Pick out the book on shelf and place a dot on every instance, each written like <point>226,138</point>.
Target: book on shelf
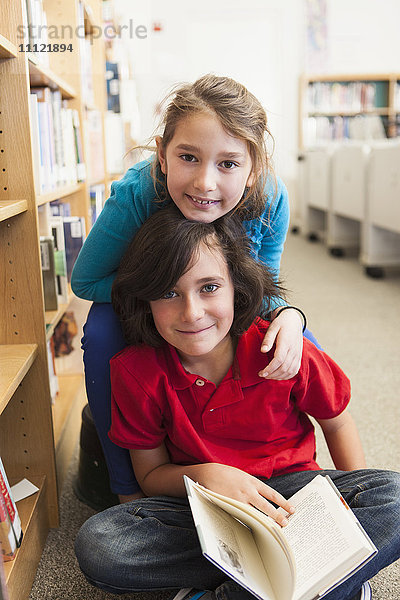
<point>97,199</point>
<point>8,545</point>
<point>46,175</point>
<point>3,588</point>
<point>35,143</point>
<point>80,164</point>
<point>48,273</point>
<point>397,97</point>
<point>113,87</point>
<point>59,208</point>
<point>353,96</point>
<point>320,130</point>
<point>53,378</point>
<point>85,53</point>
<point>322,545</point>
<point>115,142</point>
<point>56,141</point>
<point>94,146</point>
<point>11,509</point>
<point>37,29</point>
<point>56,224</point>
<point>74,236</point>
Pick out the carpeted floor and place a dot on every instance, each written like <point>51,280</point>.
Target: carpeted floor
<point>357,321</point>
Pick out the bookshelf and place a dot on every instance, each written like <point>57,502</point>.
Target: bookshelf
<point>337,107</point>
<point>37,438</point>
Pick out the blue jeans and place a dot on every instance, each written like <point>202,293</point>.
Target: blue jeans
<point>151,543</point>
<point>102,338</point>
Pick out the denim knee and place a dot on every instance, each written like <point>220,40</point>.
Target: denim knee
<point>95,550</point>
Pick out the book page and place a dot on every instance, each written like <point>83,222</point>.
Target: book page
<point>323,536</point>
<point>276,554</point>
<point>229,544</point>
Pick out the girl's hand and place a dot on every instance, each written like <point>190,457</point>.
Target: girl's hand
<point>237,484</point>
<point>287,331</point>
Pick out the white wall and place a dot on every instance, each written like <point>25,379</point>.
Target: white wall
<point>262,43</point>
<point>363,36</point>
<point>258,42</point>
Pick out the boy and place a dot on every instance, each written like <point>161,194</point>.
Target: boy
<point>187,399</point>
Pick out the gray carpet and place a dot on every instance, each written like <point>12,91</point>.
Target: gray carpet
<point>357,320</point>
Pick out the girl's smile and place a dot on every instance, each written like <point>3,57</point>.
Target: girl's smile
<point>206,168</point>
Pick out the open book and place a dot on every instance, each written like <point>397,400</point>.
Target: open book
<point>321,547</point>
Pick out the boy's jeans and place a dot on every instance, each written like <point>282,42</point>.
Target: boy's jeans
<point>151,543</point>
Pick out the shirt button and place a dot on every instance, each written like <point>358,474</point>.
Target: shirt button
<point>199,382</point>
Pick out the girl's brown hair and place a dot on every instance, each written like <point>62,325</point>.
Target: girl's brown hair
<point>164,248</point>
<point>241,115</point>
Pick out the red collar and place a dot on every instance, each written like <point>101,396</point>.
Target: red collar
<point>248,361</point>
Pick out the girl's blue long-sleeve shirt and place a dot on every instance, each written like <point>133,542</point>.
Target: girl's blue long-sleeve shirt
<point>131,203</point>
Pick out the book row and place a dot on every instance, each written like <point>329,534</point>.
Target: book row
<point>319,130</point>
<point>59,248</point>
<point>346,97</point>
<point>10,523</point>
<point>56,141</point>
<point>397,97</point>
<point>36,33</point>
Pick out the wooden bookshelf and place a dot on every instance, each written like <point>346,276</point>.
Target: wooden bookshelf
<point>66,419</point>
<point>15,361</point>
<point>11,208</point>
<point>41,76</point>
<point>59,193</point>
<point>381,104</point>
<point>7,48</point>
<point>53,317</point>
<point>37,437</point>
<point>34,525</point>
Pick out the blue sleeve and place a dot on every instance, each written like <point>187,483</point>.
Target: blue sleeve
<point>131,202</point>
<point>267,234</point>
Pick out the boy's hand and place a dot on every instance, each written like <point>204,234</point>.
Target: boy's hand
<point>286,331</point>
<point>237,484</point>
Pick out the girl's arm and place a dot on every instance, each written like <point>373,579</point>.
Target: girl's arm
<point>268,238</point>
<point>286,331</point>
<point>343,442</point>
<point>158,477</point>
<point>129,205</point>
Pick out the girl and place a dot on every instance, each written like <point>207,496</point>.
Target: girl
<point>187,399</point>
<point>210,160</point>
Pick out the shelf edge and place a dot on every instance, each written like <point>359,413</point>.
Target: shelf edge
<point>56,194</point>
<point>11,208</point>
<point>24,363</point>
<point>42,75</point>
<point>7,48</point>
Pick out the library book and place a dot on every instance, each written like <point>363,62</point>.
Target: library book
<point>322,545</point>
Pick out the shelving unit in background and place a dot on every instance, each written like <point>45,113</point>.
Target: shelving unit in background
<point>348,152</point>
<point>37,438</point>
<point>330,105</point>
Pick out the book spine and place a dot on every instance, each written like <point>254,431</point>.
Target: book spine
<point>8,545</point>
<point>3,588</point>
<point>10,505</point>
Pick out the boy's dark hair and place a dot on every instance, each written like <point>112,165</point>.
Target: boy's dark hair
<point>163,250</point>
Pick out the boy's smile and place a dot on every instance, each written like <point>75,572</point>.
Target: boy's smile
<point>197,314</point>
<point>206,168</point>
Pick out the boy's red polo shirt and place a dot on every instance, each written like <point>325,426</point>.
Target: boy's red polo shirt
<point>256,425</point>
